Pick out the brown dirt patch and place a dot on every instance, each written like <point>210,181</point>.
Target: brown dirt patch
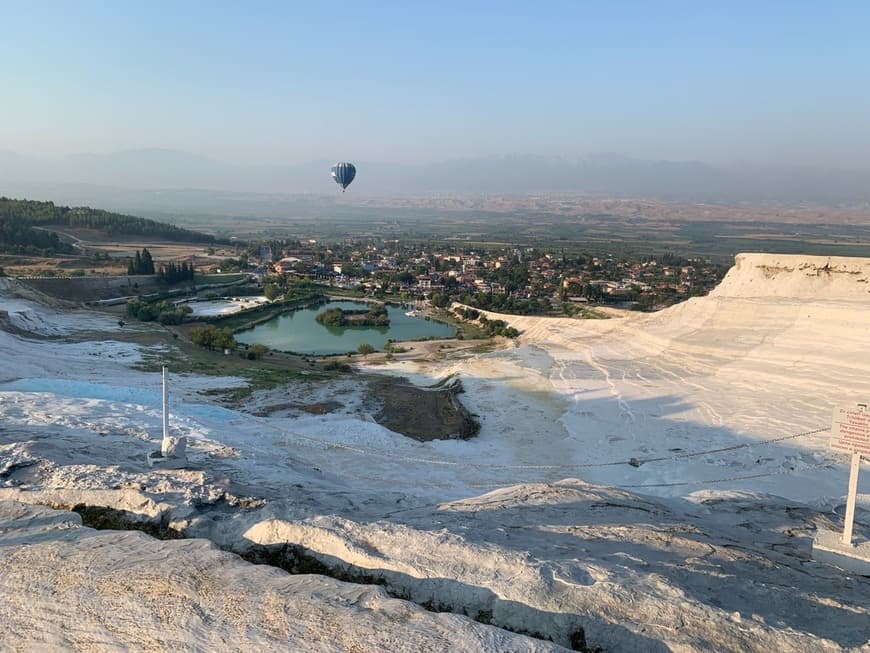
<point>422,413</point>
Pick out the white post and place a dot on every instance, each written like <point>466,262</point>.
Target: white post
<point>850,499</point>
<point>165,410</point>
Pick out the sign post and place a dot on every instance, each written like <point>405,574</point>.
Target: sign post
<point>850,499</point>
<point>165,410</point>
<point>850,432</point>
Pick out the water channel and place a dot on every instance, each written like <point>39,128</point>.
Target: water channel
<point>299,332</point>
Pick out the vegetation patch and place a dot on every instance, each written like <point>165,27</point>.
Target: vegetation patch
<point>18,237</point>
<point>29,213</point>
<point>163,311</point>
<point>207,279</point>
<point>375,315</point>
<point>488,328</point>
<point>316,408</point>
<point>212,337</point>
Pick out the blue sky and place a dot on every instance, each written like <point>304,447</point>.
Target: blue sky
<point>269,82</point>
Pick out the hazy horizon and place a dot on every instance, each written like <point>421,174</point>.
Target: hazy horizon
<point>399,83</point>
<point>597,175</point>
<point>577,157</point>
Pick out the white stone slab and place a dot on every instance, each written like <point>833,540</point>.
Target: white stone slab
<point>828,547</point>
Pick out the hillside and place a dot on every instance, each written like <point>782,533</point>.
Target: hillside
<point>24,215</point>
<point>646,483</point>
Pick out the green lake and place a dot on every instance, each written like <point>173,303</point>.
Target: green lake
<point>299,332</point>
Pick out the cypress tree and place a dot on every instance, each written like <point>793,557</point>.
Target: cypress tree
<point>147,262</point>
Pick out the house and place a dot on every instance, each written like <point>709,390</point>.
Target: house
<point>286,265</point>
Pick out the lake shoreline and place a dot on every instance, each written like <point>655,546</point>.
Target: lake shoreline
<point>297,331</point>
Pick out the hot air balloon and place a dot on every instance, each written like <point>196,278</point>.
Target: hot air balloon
<point>343,173</point>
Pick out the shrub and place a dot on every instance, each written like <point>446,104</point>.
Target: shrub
<point>258,350</point>
<point>213,337</point>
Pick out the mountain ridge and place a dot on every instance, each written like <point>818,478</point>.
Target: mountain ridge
<point>594,175</point>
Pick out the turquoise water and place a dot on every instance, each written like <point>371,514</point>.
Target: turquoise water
<point>300,332</point>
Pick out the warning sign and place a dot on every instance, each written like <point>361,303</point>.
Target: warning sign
<point>851,430</point>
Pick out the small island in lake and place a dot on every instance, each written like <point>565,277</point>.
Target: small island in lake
<point>375,315</point>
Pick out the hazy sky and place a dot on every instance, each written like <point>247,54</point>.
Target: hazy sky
<point>269,82</point>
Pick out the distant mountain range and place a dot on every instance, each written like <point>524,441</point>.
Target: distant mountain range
<point>605,175</point>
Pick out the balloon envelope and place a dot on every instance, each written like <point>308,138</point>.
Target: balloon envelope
<point>343,173</point>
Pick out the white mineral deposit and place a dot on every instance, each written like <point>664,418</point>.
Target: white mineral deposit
<point>651,482</point>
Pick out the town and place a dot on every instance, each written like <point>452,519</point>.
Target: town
<point>515,280</point>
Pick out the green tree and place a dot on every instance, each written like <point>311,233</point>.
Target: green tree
<point>258,350</point>
<point>147,262</point>
<point>331,317</point>
<point>271,291</point>
<point>212,337</point>
<point>365,349</point>
<point>440,300</point>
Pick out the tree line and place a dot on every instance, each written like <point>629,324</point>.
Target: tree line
<point>143,263</point>
<point>489,327</point>
<point>18,237</point>
<point>175,273</point>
